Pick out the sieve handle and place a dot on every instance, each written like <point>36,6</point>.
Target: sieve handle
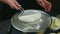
<point>21,9</point>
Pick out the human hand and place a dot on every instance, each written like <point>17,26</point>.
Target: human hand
<point>45,4</point>
<point>12,3</point>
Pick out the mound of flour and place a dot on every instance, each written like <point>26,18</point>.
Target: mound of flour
<point>30,18</point>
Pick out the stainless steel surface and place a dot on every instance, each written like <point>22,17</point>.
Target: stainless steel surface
<point>21,10</point>
<point>20,25</point>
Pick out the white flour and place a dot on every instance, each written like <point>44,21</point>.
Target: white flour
<point>30,18</point>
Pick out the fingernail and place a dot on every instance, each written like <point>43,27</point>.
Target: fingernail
<point>19,5</point>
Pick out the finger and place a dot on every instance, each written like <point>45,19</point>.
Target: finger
<point>48,5</point>
<point>11,4</point>
<point>15,7</point>
<point>17,4</point>
<point>41,3</point>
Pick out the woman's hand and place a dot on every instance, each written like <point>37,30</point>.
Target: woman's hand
<point>12,3</point>
<point>45,4</point>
